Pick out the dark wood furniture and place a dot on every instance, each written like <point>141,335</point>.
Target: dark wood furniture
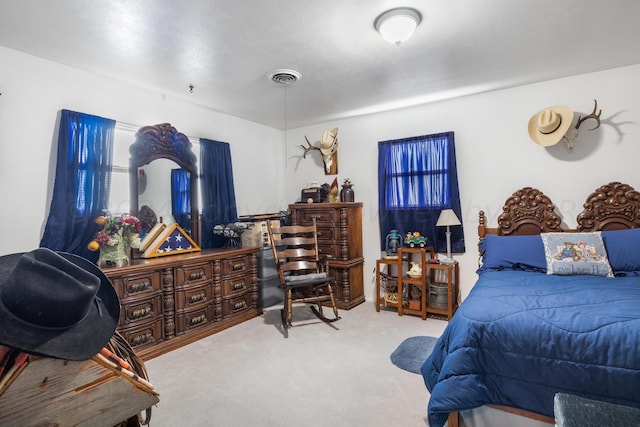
<point>416,285</point>
<point>340,238</point>
<point>422,292</point>
<point>528,211</point>
<point>302,273</point>
<point>163,141</point>
<point>613,206</point>
<point>171,301</point>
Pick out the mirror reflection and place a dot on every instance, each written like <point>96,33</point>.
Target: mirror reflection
<point>156,192</point>
<point>163,177</point>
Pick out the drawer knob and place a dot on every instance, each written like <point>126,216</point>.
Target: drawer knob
<point>198,297</point>
<point>238,266</point>
<point>197,319</point>
<point>196,276</point>
<point>141,339</point>
<point>140,312</point>
<point>238,286</point>
<point>140,286</point>
<point>239,305</point>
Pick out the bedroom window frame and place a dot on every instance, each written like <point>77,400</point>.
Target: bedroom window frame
<point>418,173</point>
<point>417,179</point>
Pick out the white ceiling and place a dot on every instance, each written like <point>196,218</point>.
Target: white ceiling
<point>227,48</point>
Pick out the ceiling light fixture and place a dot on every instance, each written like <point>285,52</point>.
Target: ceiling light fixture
<point>397,25</point>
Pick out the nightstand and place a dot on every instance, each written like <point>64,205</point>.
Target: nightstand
<point>395,288</point>
<point>444,288</point>
<point>416,286</point>
<point>386,283</point>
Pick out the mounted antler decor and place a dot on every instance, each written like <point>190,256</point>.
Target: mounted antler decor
<point>329,150</point>
<point>549,126</point>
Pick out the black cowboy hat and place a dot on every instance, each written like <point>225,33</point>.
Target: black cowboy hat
<point>56,304</point>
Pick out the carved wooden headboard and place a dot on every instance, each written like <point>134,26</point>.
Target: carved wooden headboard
<point>528,211</point>
<point>612,206</point>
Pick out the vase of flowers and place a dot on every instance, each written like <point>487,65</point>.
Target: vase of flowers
<point>118,235</point>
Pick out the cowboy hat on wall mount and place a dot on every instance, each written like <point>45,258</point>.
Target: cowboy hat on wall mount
<point>548,126</point>
<point>56,304</point>
<point>328,148</point>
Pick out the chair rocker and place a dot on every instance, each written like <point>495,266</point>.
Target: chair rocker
<point>303,275</point>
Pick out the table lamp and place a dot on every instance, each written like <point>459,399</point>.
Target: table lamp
<point>448,218</point>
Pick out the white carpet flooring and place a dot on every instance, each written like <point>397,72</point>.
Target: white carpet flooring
<point>321,375</point>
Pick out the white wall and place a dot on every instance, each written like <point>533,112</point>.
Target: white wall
<point>35,90</point>
<point>494,153</point>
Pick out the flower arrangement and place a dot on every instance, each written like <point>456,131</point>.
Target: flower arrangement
<point>116,229</point>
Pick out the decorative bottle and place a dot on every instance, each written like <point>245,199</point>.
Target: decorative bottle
<point>346,194</point>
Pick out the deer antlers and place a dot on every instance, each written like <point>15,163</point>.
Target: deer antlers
<point>309,148</point>
<point>572,133</point>
<point>593,115</point>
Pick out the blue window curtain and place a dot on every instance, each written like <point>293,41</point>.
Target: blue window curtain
<point>218,194</point>
<point>82,182</point>
<point>417,179</point>
<point>181,198</point>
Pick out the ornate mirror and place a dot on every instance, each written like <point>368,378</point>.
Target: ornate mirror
<point>163,141</point>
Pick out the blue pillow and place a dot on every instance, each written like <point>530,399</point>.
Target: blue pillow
<point>623,249</point>
<point>524,253</point>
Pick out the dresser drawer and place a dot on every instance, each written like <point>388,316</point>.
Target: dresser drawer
<point>194,296</point>
<point>330,235</point>
<point>236,265</point>
<point>137,285</point>
<point>144,335</point>
<point>235,305</point>
<point>236,286</point>
<point>323,216</point>
<point>193,319</point>
<point>193,274</point>
<point>332,251</point>
<point>141,310</point>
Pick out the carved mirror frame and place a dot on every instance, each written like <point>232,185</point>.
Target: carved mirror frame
<point>163,141</point>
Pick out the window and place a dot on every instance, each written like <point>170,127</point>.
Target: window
<point>82,182</point>
<point>417,173</point>
<point>417,179</point>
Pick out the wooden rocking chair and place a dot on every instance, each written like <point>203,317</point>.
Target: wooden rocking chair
<point>303,275</point>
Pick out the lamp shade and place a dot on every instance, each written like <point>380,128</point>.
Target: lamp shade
<point>397,25</point>
<point>447,217</point>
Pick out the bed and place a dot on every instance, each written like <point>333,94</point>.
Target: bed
<point>553,310</point>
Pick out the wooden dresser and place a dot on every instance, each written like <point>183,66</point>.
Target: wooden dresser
<point>340,237</point>
<point>171,301</point>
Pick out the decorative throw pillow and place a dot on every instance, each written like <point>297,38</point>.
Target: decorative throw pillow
<point>524,253</point>
<point>576,253</point>
<point>623,249</point>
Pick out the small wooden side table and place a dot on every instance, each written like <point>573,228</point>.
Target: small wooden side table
<point>451,281</point>
<point>406,256</point>
<point>385,280</point>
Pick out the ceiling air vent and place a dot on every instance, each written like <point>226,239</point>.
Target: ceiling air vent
<point>284,76</point>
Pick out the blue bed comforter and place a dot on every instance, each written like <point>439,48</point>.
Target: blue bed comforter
<point>520,337</point>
